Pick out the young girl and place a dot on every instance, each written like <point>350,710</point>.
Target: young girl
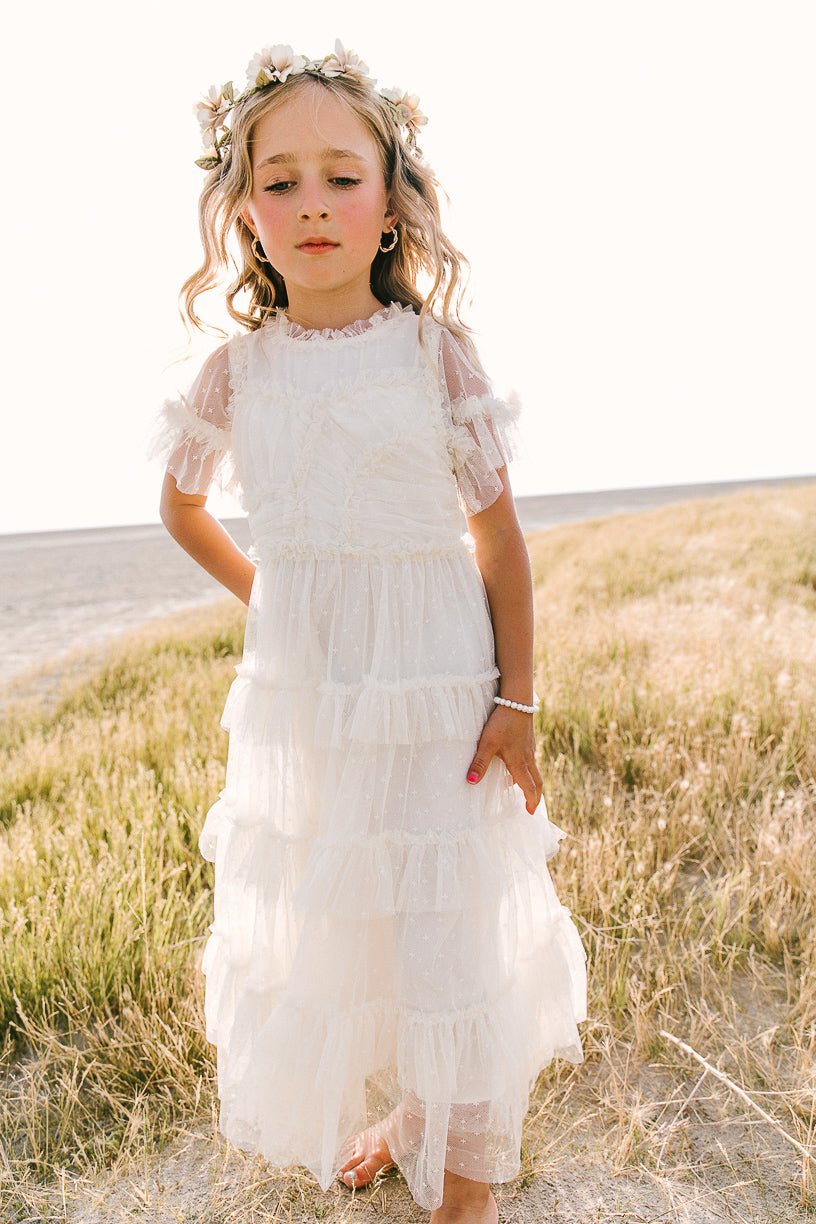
<point>389,967</point>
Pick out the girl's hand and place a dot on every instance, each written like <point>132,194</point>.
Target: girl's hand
<point>509,734</point>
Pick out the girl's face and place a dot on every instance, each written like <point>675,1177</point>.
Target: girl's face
<point>318,177</point>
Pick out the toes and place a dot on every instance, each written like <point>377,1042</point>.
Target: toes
<point>355,1179</point>
<point>362,1173</point>
<point>352,1165</point>
<point>359,1170</point>
<point>352,1174</point>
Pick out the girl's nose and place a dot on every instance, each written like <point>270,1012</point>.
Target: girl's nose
<point>313,203</point>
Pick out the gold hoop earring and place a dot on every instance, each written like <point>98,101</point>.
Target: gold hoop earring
<point>394,243</point>
<point>260,258</point>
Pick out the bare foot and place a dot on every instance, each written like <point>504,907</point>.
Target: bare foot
<point>480,1211</point>
<point>371,1154</point>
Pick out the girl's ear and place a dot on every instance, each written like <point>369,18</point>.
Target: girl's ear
<point>247,220</point>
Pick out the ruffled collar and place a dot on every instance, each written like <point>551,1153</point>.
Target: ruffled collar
<point>282,326</point>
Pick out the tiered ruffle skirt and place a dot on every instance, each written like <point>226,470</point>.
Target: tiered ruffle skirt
<point>387,943</point>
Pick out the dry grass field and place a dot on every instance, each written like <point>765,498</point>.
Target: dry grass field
<point>676,659</point>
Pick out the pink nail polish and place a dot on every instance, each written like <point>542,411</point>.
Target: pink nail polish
<point>473,776</point>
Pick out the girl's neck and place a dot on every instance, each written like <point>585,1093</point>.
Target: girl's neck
<point>315,313</point>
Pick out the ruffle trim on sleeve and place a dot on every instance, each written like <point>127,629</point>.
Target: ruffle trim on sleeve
<point>196,452</point>
<point>481,428</point>
<point>192,431</point>
<point>483,437</point>
<point>183,420</point>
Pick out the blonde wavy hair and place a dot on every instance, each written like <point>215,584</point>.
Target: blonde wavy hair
<point>410,184</point>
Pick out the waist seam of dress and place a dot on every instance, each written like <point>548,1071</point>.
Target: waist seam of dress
<point>312,549</point>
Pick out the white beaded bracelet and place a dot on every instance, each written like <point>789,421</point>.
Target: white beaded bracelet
<point>517,705</point>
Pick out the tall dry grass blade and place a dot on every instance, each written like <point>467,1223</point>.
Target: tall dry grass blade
<point>740,1093</point>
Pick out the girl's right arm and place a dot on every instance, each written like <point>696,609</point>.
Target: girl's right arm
<point>202,536</point>
<point>194,438</point>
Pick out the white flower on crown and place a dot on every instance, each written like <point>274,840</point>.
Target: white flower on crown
<point>274,64</point>
<point>211,109</point>
<point>407,107</point>
<point>345,63</point>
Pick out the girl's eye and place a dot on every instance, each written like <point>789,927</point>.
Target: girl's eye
<point>285,183</point>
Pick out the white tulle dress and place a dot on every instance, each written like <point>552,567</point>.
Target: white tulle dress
<point>387,945</point>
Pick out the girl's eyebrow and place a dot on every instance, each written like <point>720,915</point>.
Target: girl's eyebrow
<point>328,154</point>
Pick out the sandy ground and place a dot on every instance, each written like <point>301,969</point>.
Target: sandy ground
<point>201,1178</point>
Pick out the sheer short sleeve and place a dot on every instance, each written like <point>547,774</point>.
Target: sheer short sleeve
<point>482,429</point>
<point>193,432</point>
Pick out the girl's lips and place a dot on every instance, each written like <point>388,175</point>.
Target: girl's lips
<point>315,248</point>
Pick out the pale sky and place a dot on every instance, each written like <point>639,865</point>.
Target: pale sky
<point>633,182</point>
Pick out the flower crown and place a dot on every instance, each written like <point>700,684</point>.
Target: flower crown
<point>273,66</point>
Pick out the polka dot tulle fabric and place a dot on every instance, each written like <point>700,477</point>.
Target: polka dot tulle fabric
<point>387,947</point>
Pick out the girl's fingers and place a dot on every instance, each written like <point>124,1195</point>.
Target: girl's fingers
<point>524,774</point>
<point>480,762</point>
<point>488,746</point>
<point>495,741</point>
<point>526,779</point>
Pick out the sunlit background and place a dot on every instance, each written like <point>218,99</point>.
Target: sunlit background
<point>633,183</point>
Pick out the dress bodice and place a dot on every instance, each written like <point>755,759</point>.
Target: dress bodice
<point>359,439</point>
<point>340,439</point>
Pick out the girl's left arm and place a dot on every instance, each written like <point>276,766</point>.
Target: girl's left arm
<point>502,558</point>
